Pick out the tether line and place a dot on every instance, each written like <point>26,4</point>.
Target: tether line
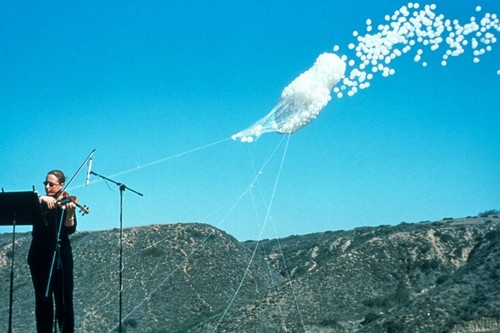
<point>260,236</point>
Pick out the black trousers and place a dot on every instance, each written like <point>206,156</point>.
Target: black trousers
<point>60,292</point>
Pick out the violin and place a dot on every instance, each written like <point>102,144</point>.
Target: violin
<point>65,198</point>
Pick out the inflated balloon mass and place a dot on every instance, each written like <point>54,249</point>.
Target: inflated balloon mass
<point>301,101</point>
<point>407,28</point>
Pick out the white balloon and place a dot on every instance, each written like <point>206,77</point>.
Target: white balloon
<point>301,101</point>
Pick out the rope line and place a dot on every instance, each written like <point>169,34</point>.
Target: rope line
<point>233,204</point>
<point>161,160</point>
<point>260,235</point>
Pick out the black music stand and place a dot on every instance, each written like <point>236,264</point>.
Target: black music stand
<point>18,208</point>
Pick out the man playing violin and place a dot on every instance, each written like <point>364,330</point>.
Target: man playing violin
<point>50,258</point>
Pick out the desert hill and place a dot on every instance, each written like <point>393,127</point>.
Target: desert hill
<point>414,277</point>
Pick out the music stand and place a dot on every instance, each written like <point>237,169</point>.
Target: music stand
<point>18,208</point>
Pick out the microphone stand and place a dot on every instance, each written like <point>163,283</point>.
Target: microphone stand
<point>57,253</point>
<point>57,250</point>
<point>122,188</point>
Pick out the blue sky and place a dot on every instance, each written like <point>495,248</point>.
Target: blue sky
<point>158,88</point>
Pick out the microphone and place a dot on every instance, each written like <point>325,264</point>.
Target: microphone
<point>89,171</point>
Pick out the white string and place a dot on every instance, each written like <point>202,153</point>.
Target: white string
<point>271,275</point>
<point>287,275</point>
<point>234,202</point>
<point>139,167</point>
<point>161,160</point>
<point>259,239</point>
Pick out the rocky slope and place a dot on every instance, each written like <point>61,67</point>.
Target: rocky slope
<point>423,277</point>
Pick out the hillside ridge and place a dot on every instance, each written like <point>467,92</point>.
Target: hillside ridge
<point>191,277</point>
